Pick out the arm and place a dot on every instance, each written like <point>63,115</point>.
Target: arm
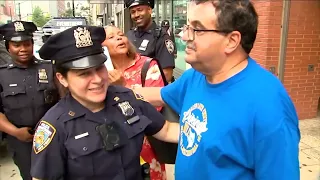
<point>160,128</point>
<point>165,55</point>
<point>151,94</point>
<point>48,153</point>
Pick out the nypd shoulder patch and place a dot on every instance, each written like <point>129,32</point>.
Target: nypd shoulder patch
<point>169,45</point>
<point>43,136</point>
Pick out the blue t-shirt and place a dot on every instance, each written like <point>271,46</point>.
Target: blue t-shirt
<point>243,128</point>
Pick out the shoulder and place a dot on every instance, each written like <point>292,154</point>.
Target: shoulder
<point>118,89</point>
<point>53,115</point>
<point>124,91</point>
<point>3,66</point>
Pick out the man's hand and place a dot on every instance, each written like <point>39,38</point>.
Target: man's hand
<point>23,134</point>
<point>116,78</point>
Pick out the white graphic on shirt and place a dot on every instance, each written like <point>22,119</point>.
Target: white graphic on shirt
<point>194,123</point>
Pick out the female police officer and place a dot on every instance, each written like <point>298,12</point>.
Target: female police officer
<point>96,131</point>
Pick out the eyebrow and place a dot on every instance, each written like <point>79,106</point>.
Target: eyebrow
<point>197,23</point>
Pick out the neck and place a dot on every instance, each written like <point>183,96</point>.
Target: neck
<point>230,68</point>
<point>23,64</point>
<point>93,107</point>
<point>121,62</point>
<point>147,26</point>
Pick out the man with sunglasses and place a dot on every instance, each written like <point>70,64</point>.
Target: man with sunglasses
<point>236,119</point>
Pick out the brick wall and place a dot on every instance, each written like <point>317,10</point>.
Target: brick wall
<point>303,49</point>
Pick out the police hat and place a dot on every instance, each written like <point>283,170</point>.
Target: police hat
<point>18,31</point>
<point>78,47</point>
<point>131,3</point>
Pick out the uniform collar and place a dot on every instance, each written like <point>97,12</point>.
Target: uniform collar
<point>76,110</point>
<point>150,29</point>
<point>13,64</point>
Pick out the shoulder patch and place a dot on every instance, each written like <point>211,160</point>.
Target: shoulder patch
<point>169,45</point>
<point>43,136</point>
<point>138,96</point>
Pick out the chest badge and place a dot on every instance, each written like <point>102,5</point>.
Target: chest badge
<point>144,45</point>
<point>43,78</point>
<point>126,108</point>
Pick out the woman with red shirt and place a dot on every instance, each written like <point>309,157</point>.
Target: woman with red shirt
<point>127,72</point>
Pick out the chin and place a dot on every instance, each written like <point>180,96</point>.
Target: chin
<point>98,98</point>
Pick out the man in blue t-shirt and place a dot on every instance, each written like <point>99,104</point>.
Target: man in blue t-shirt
<point>237,121</point>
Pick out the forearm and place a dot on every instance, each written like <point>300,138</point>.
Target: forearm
<point>168,74</point>
<point>151,95</point>
<point>169,133</point>
<point>6,126</point>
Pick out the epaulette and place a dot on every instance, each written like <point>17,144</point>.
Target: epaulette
<point>118,89</point>
<point>3,66</point>
<point>43,61</point>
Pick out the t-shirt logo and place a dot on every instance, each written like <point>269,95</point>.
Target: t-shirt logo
<point>194,123</point>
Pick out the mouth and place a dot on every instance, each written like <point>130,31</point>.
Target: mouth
<point>121,45</point>
<point>139,20</point>
<point>24,56</point>
<point>97,89</point>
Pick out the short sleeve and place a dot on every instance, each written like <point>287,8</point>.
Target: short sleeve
<point>276,147</point>
<point>157,119</point>
<point>165,51</point>
<point>173,94</point>
<point>48,153</point>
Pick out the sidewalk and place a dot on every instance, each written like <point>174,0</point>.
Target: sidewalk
<point>309,155</point>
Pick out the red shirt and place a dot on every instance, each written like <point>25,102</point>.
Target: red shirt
<point>132,74</point>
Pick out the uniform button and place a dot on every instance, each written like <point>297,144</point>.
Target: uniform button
<point>30,86</point>
<point>84,148</point>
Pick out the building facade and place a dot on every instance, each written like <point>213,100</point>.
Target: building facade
<point>287,44</point>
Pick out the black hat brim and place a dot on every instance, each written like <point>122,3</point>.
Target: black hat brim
<point>20,38</point>
<point>85,62</point>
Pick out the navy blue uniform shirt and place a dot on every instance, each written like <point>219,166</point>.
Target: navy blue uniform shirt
<point>155,43</point>
<point>67,145</point>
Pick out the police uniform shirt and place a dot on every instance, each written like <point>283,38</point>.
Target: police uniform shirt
<point>148,43</point>
<point>26,93</point>
<point>67,145</point>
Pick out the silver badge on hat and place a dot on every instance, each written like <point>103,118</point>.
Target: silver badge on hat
<point>18,26</point>
<point>126,108</point>
<point>82,37</point>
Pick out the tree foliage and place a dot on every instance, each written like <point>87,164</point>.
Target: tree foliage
<point>38,18</point>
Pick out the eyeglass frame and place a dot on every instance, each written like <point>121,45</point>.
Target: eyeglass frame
<point>187,28</point>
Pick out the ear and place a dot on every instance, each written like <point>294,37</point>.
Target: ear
<point>150,10</point>
<point>234,40</point>
<point>62,80</point>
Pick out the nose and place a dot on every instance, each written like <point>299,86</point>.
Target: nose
<point>119,38</point>
<point>185,36</point>
<point>96,78</point>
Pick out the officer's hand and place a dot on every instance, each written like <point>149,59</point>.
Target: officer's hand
<point>116,78</point>
<point>23,134</point>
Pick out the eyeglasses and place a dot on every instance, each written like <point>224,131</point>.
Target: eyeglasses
<point>191,31</point>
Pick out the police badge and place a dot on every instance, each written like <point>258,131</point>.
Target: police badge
<point>126,108</point>
<point>43,78</point>
<point>18,26</point>
<point>82,37</point>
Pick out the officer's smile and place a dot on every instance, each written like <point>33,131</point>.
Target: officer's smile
<point>97,89</point>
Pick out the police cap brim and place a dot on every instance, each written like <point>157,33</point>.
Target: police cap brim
<point>20,38</point>
<point>85,62</point>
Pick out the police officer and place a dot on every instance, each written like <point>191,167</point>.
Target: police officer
<point>149,38</point>
<point>96,131</point>
<point>27,91</point>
